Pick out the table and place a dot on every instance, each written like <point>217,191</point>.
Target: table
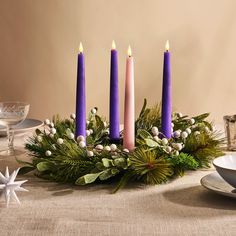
<point>181,207</point>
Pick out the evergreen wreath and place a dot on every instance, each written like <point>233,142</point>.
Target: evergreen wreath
<point>58,156</point>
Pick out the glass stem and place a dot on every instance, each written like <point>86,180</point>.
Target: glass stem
<point>10,137</point>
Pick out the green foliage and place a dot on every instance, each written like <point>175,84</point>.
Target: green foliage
<point>150,167</point>
<point>204,148</point>
<point>183,162</point>
<point>152,162</point>
<point>88,178</point>
<point>148,117</point>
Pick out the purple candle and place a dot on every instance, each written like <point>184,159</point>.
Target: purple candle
<point>114,96</point>
<point>166,95</point>
<point>80,125</point>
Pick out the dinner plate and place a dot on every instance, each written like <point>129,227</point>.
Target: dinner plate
<point>25,126</point>
<point>215,183</point>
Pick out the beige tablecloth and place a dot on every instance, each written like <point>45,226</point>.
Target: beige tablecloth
<point>182,207</point>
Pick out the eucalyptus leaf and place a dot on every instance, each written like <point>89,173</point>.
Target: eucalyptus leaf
<point>99,166</point>
<point>151,143</point>
<point>144,134</point>
<point>105,174</point>
<point>43,166</point>
<point>114,171</point>
<point>202,116</point>
<point>120,162</point>
<point>87,179</point>
<point>108,174</point>
<point>107,162</point>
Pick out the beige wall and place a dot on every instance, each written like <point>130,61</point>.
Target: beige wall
<point>39,41</point>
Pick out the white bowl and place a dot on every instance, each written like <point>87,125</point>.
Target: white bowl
<point>226,167</point>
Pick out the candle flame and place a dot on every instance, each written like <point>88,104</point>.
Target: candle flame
<point>129,51</point>
<point>80,48</point>
<point>167,45</point>
<point>113,46</point>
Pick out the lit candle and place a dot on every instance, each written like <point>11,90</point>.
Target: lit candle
<point>114,96</point>
<point>80,126</point>
<point>129,122</point>
<point>166,95</point>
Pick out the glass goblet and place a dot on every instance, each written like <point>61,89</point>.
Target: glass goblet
<point>12,113</point>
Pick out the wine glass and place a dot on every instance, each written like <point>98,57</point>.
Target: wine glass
<point>12,113</point>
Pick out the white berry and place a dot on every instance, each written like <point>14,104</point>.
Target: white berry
<point>178,146</point>
<point>72,116</point>
<point>94,111</point>
<point>51,135</point>
<point>53,130</point>
<point>90,153</point>
<point>51,124</point>
<point>168,149</point>
<point>91,131</point>
<point>60,141</point>
<point>192,121</point>
<point>156,138</point>
<point>39,138</point>
<point>177,134</point>
<point>47,122</point>
<point>179,114</point>
<point>126,150</point>
<point>196,133</point>
<point>48,153</point>
<point>107,148</point>
<point>82,144</point>
<point>87,132</point>
<point>188,130</point>
<point>113,147</point>
<point>87,122</point>
<point>68,131</point>
<point>80,138</point>
<point>164,141</point>
<point>184,134</point>
<point>99,147</point>
<point>176,153</point>
<point>155,130</point>
<point>71,136</point>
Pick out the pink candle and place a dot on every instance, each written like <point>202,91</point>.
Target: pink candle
<point>129,122</point>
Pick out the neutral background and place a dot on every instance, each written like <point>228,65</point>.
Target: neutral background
<point>39,43</point>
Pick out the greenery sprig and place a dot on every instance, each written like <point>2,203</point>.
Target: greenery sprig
<point>58,156</point>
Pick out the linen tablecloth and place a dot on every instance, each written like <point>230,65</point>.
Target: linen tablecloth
<point>180,207</point>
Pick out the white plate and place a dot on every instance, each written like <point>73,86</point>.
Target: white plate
<point>215,183</point>
<point>25,126</point>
